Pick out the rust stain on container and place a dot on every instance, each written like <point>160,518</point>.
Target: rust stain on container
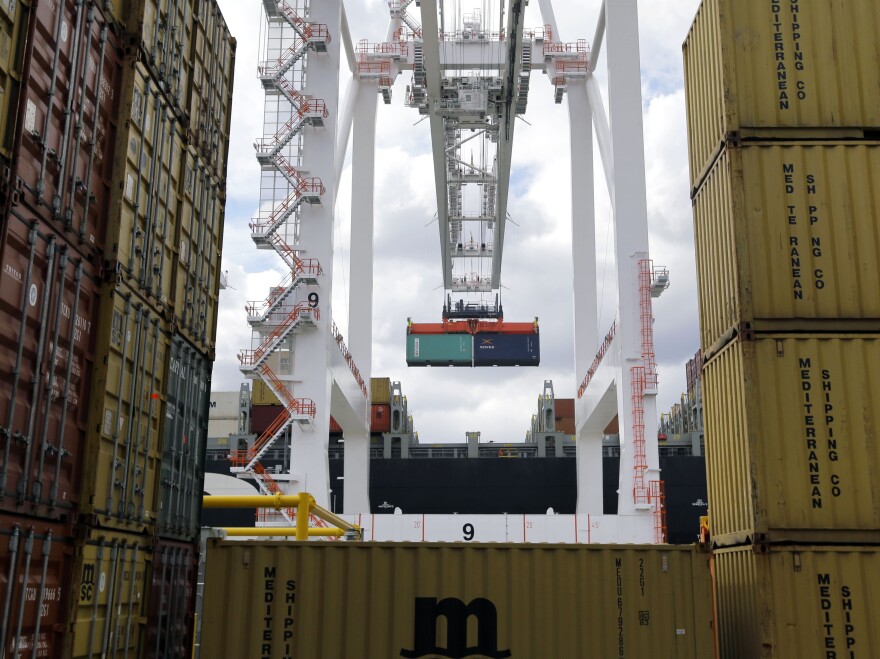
<point>110,584</point>
<point>791,427</point>
<point>185,437</point>
<point>123,452</point>
<point>789,232</point>
<point>35,572</point>
<point>519,601</point>
<point>172,599</point>
<point>69,127</point>
<point>49,306</point>
<point>758,68</point>
<point>797,602</point>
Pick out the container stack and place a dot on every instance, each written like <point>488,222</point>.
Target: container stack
<point>784,121</point>
<point>114,162</point>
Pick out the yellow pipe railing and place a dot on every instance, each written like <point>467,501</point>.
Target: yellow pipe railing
<point>304,503</point>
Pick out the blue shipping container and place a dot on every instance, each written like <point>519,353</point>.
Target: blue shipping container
<point>493,349</point>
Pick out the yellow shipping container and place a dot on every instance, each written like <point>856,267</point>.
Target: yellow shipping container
<point>775,67</point>
<point>123,442</point>
<point>798,602</point>
<point>495,600</point>
<point>789,232</point>
<point>14,16</point>
<point>380,391</point>
<point>144,214</point>
<point>109,593</point>
<point>791,425</point>
<point>262,395</point>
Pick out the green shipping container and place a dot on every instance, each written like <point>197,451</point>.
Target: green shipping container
<point>439,350</point>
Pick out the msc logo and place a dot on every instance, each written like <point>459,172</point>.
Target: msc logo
<point>428,610</point>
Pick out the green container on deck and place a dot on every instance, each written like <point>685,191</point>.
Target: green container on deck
<point>439,350</point>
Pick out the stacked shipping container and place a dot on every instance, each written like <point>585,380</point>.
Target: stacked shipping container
<point>783,114</point>
<point>114,128</point>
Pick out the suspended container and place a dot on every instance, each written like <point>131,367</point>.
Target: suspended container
<point>791,426</point>
<point>14,22</point>
<point>49,305</point>
<point>110,584</point>
<point>209,98</point>
<point>145,213</point>
<point>199,240</point>
<point>496,349</point>
<point>185,438</point>
<point>797,602</point>
<point>63,170</point>
<point>172,598</point>
<point>121,469</point>
<point>439,350</point>
<point>771,70</point>
<point>787,238</point>
<point>498,600</point>
<point>35,572</point>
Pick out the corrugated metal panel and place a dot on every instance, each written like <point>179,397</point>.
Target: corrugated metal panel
<point>752,64</point>
<point>69,127</point>
<point>199,241</point>
<point>14,21</point>
<point>439,349</point>
<point>163,32</point>
<point>789,231</point>
<point>262,395</point>
<point>494,349</point>
<point>121,468</point>
<point>798,602</point>
<point>209,103</point>
<point>172,599</point>
<point>564,408</point>
<point>110,582</point>
<point>49,305</point>
<point>184,441</point>
<point>35,571</point>
<point>527,602</point>
<point>380,418</point>
<point>262,417</point>
<point>791,426</point>
<point>380,391</point>
<point>144,219</point>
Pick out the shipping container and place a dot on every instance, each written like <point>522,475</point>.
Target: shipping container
<point>789,232</point>
<point>185,435</point>
<point>36,565</point>
<point>566,426</point>
<point>64,167</point>
<point>14,23</point>
<point>144,217</point>
<point>774,69</point>
<point>791,427</point>
<point>172,598</point>
<point>262,417</point>
<point>797,602</point>
<point>439,350</point>
<point>199,241</point>
<point>110,586</point>
<point>335,427</point>
<point>380,391</point>
<point>49,310</point>
<point>162,32</point>
<point>262,394</point>
<point>563,408</point>
<point>527,602</point>
<point>495,349</point>
<point>380,418</point>
<point>129,391</point>
<point>209,102</point>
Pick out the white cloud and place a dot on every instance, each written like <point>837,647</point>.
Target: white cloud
<point>537,271</point>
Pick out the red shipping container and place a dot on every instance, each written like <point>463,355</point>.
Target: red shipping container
<point>565,425</point>
<point>36,560</point>
<point>262,417</point>
<point>564,408</point>
<point>334,427</point>
<point>63,167</point>
<point>172,600</point>
<point>49,303</point>
<point>380,418</point>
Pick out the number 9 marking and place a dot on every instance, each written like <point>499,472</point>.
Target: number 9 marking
<point>468,530</point>
<point>313,300</point>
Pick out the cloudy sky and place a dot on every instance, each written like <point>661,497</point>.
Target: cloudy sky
<point>537,280</point>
